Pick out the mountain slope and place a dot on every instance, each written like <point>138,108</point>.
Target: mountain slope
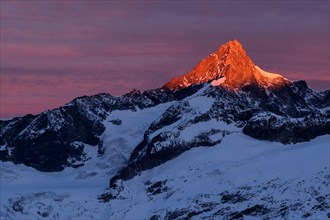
<point>274,116</point>
<point>194,140</point>
<point>47,141</point>
<point>240,177</point>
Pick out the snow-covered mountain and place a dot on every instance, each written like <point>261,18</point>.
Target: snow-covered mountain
<point>226,140</point>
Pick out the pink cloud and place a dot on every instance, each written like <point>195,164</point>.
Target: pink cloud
<point>76,32</point>
<point>37,50</point>
<point>33,94</point>
<point>53,51</point>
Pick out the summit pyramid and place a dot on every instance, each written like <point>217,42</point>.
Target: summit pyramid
<point>229,62</point>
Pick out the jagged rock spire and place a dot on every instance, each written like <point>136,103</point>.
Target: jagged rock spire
<point>230,61</point>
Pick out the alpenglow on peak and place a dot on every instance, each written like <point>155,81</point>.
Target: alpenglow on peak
<point>229,62</point>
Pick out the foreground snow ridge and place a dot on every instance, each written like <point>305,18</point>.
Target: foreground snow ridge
<point>238,178</point>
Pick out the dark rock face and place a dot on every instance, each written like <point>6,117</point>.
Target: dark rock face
<point>157,188</point>
<point>286,131</point>
<point>256,210</point>
<point>293,113</point>
<point>46,142</point>
<point>232,198</point>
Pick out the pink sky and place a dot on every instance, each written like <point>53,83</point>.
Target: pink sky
<point>54,51</point>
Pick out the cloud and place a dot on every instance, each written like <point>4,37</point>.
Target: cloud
<point>11,50</point>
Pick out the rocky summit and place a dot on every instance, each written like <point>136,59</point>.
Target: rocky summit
<point>231,62</point>
<point>226,140</point>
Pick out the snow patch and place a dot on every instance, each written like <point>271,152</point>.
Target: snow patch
<point>218,82</point>
<point>3,147</point>
<point>201,103</point>
<point>192,131</point>
<point>267,74</point>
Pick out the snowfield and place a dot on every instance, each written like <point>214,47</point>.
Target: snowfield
<point>238,174</point>
<point>233,176</point>
<point>72,194</point>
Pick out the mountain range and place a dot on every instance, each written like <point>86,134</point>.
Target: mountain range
<point>226,140</point>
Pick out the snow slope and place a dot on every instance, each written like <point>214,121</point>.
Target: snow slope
<point>239,173</point>
<point>239,177</point>
<point>72,194</point>
<point>268,74</point>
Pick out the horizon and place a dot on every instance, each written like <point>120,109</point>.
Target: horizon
<point>53,52</point>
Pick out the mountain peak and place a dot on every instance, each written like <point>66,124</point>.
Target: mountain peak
<point>133,92</point>
<point>234,44</point>
<point>229,61</point>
